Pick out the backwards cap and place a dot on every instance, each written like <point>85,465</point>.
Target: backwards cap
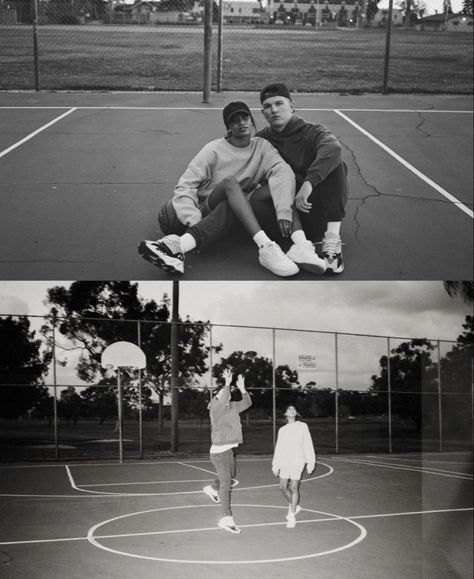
<point>275,89</point>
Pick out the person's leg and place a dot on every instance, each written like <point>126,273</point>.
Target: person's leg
<point>223,463</point>
<point>269,253</point>
<point>284,489</point>
<point>329,199</point>
<point>295,494</point>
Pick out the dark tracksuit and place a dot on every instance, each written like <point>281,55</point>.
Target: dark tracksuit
<point>315,155</point>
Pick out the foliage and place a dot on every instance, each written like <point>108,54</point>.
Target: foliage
<point>467,7</point>
<point>412,372</point>
<point>464,289</point>
<point>22,366</point>
<point>95,314</point>
<point>257,371</point>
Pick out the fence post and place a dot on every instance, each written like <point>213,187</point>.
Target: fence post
<point>174,368</point>
<point>220,46</point>
<point>35,45</point>
<point>120,414</point>
<point>336,397</point>
<point>387,48</point>
<point>55,399</point>
<point>440,406</point>
<point>273,391</point>
<point>140,400</point>
<point>207,70</point>
<point>389,389</point>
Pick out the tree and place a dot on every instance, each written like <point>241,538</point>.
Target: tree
<point>456,383</point>
<point>412,372</point>
<point>465,289</point>
<point>22,367</point>
<point>258,379</point>
<point>467,7</point>
<point>70,405</point>
<point>371,10</point>
<point>96,314</point>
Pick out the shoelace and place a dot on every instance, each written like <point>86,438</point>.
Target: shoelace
<point>173,244</point>
<point>331,246</point>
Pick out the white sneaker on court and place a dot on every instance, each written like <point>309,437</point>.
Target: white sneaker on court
<point>291,523</point>
<point>304,255</point>
<point>298,509</point>
<point>272,257</point>
<point>212,494</point>
<point>228,524</point>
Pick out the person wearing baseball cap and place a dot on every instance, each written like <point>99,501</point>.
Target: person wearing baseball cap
<point>214,191</point>
<point>315,155</point>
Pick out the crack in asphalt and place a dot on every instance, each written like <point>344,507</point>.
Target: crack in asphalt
<point>366,197</point>
<point>419,126</point>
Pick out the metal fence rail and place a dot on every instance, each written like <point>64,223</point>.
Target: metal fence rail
<point>334,392</point>
<point>57,45</point>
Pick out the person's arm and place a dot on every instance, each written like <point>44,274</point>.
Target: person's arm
<point>282,184</point>
<point>185,194</point>
<point>310,455</point>
<point>328,155</point>
<point>246,401</point>
<point>276,456</point>
<point>223,396</point>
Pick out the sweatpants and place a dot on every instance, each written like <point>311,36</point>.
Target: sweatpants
<point>224,463</point>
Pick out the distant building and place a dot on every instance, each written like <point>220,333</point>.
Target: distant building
<point>448,23</point>
<point>238,11</point>
<point>317,12</point>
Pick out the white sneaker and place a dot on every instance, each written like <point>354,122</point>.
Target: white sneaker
<point>298,509</point>
<point>228,524</point>
<point>272,257</point>
<point>291,523</point>
<point>212,493</point>
<point>165,253</point>
<point>306,257</point>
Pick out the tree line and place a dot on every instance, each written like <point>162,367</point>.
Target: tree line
<point>92,315</point>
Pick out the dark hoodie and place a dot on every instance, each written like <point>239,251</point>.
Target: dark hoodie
<point>225,419</point>
<point>311,150</point>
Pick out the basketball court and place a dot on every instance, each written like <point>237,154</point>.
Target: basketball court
<point>84,175</point>
<point>363,516</point>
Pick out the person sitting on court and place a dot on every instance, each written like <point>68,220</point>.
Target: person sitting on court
<point>215,189</point>
<point>226,435</point>
<point>293,450</point>
<point>315,155</point>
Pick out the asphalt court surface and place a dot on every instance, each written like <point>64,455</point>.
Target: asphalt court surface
<point>83,176</point>
<point>363,516</point>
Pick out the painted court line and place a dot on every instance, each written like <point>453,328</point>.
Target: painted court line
<point>204,108</point>
<point>316,520</point>
<point>34,133</point>
<point>408,165</point>
<point>423,470</point>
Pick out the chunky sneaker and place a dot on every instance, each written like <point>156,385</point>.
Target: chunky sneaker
<point>165,253</point>
<point>306,257</point>
<point>212,493</point>
<point>291,522</point>
<point>298,509</point>
<point>272,257</point>
<point>228,524</point>
<point>332,252</point>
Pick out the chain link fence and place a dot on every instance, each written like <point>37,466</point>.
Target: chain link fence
<point>313,46</point>
<point>358,393</point>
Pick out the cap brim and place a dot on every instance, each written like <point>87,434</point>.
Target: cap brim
<point>245,111</point>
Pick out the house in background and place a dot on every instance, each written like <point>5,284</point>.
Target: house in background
<point>448,23</point>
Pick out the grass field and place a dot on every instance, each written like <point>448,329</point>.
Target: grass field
<point>171,58</point>
<point>34,440</point>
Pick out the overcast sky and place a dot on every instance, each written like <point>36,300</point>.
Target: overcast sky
<point>395,309</point>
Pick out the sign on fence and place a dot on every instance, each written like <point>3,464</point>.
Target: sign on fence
<point>306,362</point>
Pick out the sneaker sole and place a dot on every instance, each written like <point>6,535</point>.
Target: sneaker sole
<point>312,267</point>
<point>233,530</point>
<point>159,261</point>
<point>281,273</point>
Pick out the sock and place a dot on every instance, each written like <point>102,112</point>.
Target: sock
<point>188,243</point>
<point>261,238</point>
<point>298,236</point>
<point>334,227</point>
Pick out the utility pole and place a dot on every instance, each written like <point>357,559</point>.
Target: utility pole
<point>174,368</point>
